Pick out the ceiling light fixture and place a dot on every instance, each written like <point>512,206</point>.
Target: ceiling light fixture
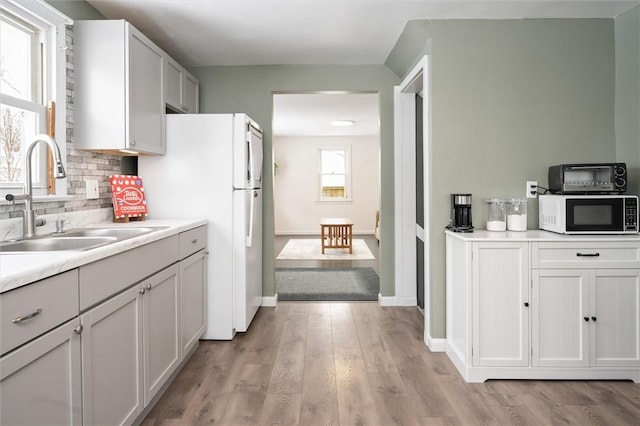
<point>343,123</point>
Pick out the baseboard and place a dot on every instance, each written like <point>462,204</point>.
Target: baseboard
<point>270,301</point>
<point>409,301</point>
<point>387,300</point>
<point>436,344</point>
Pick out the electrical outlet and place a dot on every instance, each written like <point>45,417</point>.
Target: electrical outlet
<point>92,189</point>
<point>532,189</point>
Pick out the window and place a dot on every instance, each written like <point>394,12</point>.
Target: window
<point>334,175</point>
<point>32,73</point>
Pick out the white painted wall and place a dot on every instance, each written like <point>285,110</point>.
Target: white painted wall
<point>296,195</point>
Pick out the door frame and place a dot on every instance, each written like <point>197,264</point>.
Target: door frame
<point>417,81</point>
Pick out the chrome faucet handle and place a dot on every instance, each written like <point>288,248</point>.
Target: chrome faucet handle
<point>60,225</point>
<point>12,198</point>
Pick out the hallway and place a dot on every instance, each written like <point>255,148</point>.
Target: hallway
<point>359,363</point>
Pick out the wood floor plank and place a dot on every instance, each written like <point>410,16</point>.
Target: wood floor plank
<point>280,410</point>
<point>319,402</point>
<point>288,369</point>
<point>356,404</point>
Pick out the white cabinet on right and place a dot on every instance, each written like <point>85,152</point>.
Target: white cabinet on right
<point>585,310</point>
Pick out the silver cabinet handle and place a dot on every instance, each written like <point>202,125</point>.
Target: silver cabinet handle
<point>78,329</point>
<point>148,287</point>
<point>18,320</point>
<point>141,291</point>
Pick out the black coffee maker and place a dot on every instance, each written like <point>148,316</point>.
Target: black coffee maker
<point>460,220</point>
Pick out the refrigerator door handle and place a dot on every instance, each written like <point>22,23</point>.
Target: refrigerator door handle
<point>252,203</point>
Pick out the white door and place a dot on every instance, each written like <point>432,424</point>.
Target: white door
<point>560,318</point>
<point>247,257</point>
<point>500,304</point>
<point>614,316</point>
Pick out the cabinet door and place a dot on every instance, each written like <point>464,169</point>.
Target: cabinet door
<point>161,329</point>
<point>500,292</point>
<point>112,360</point>
<point>193,295</point>
<point>40,382</point>
<point>615,318</point>
<point>190,94</point>
<point>559,305</point>
<point>173,77</point>
<point>145,94</point>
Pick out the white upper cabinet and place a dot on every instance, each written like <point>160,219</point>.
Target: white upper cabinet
<point>119,85</point>
<point>180,87</point>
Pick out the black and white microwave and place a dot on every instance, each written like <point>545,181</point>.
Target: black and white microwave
<point>589,214</point>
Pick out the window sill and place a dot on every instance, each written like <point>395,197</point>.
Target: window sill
<point>40,199</point>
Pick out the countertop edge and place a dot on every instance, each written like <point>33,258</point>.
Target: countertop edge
<point>538,235</point>
<point>17,270</point>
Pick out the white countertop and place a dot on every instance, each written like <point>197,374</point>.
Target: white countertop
<point>536,235</point>
<point>17,270</point>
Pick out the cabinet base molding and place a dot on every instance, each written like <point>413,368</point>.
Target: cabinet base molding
<point>473,374</point>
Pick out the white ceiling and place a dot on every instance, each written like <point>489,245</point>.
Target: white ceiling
<point>311,114</point>
<point>259,32</point>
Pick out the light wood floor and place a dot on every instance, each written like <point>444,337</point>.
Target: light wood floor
<point>361,364</point>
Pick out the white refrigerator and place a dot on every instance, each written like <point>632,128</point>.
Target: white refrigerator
<point>213,169</point>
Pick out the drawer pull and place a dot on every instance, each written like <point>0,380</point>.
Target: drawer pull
<point>78,329</point>
<point>588,254</point>
<point>18,320</point>
<point>194,241</point>
<point>594,319</point>
<point>142,291</point>
<point>526,304</point>
<point>586,319</point>
<point>148,287</point>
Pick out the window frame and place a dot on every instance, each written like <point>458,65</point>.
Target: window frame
<point>52,28</point>
<point>347,174</point>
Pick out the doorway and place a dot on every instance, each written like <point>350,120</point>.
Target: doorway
<point>326,151</point>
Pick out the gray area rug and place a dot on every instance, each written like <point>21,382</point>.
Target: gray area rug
<point>312,284</point>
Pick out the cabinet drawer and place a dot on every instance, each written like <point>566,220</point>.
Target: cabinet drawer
<point>104,278</point>
<point>34,309</point>
<point>622,254</point>
<point>192,240</point>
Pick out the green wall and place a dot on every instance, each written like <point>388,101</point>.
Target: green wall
<point>250,89</point>
<point>627,110</point>
<point>76,9</point>
<point>509,99</point>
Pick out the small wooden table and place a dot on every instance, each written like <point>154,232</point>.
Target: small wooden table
<point>336,232</point>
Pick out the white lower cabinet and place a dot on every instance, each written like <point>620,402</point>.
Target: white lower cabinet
<point>130,347</point>
<point>586,318</point>
<point>500,294</point>
<point>545,308</point>
<point>193,296</point>
<point>40,382</point>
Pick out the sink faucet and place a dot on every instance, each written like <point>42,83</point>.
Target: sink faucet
<point>29,219</point>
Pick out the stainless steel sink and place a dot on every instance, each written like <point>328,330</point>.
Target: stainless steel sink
<point>56,244</point>
<point>120,233</point>
<point>76,239</point>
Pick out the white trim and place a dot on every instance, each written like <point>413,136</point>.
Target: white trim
<point>417,81</point>
<point>436,344</point>
<point>270,301</point>
<point>387,300</point>
<point>55,88</point>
